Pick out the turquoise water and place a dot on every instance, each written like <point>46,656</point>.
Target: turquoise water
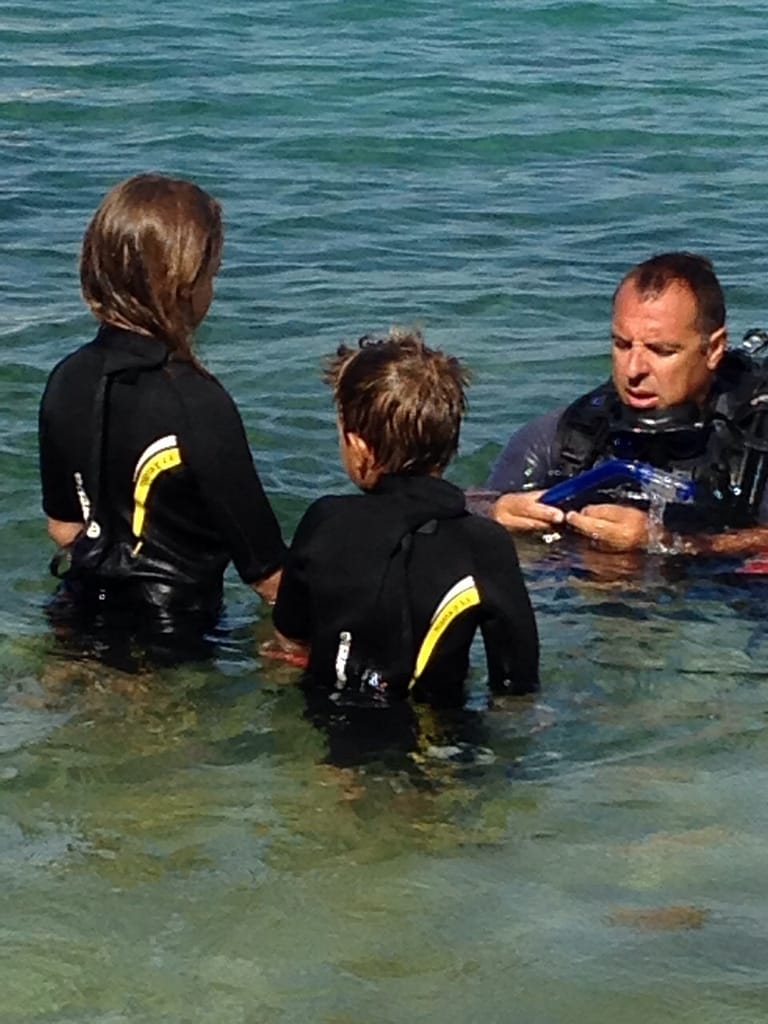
<point>174,846</point>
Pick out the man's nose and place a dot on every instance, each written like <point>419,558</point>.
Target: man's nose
<point>637,362</point>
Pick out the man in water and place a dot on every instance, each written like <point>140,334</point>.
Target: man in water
<point>677,399</point>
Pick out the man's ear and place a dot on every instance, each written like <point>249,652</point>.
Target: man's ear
<point>716,346</point>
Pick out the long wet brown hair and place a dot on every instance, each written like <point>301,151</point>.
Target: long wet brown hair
<point>152,240</point>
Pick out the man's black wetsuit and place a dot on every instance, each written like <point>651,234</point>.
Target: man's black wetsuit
<point>151,454</point>
<point>567,441</point>
<point>389,586</point>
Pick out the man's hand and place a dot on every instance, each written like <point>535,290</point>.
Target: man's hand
<point>752,540</point>
<point>612,526</point>
<point>523,511</point>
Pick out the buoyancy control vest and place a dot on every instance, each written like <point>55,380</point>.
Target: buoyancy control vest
<point>722,447</point>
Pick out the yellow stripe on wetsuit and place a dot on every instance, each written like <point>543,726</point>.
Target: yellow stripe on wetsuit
<point>462,596</point>
<point>158,458</point>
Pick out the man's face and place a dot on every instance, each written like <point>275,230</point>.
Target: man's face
<point>659,355</point>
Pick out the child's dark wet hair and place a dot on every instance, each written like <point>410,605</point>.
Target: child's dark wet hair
<point>405,400</point>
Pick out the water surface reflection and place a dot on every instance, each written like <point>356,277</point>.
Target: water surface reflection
<point>188,845</point>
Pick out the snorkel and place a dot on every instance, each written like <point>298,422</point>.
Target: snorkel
<point>664,485</point>
<point>641,443</point>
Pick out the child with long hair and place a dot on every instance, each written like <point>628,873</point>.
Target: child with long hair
<point>148,482</point>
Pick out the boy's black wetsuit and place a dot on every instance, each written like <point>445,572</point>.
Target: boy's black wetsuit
<point>151,454</point>
<point>389,586</point>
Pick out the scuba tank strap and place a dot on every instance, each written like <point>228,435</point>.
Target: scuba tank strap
<point>90,548</point>
<point>405,548</point>
<point>63,561</point>
<point>582,433</point>
<point>750,472</point>
<point>739,413</point>
<point>392,609</point>
<point>394,594</point>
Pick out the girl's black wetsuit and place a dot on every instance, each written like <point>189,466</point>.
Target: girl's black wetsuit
<point>151,455</point>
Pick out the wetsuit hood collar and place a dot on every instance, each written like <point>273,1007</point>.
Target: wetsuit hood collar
<point>126,350</point>
<point>423,497</point>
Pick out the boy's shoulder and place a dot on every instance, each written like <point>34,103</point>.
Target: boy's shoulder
<point>486,528</point>
<point>488,540</point>
<point>337,508</point>
<point>370,511</point>
<point>365,521</point>
<point>338,526</point>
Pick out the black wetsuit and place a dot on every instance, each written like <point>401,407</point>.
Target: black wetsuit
<point>153,452</point>
<point>371,578</point>
<point>727,463</point>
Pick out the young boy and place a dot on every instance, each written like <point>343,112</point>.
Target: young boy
<point>386,588</point>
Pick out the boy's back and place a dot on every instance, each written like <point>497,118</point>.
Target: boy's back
<point>394,582</point>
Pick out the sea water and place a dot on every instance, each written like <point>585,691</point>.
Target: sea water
<point>180,845</point>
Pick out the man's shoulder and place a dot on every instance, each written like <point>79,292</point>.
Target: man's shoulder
<point>543,426</point>
<point>537,432</point>
<point>739,379</point>
<point>598,400</point>
<point>528,455</point>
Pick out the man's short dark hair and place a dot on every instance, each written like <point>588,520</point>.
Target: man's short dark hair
<point>696,273</point>
<point>405,400</point>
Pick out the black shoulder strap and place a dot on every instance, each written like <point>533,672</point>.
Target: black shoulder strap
<point>738,380</point>
<point>584,427</point>
<point>89,549</point>
<point>391,607</point>
<point>739,413</point>
<point>116,365</point>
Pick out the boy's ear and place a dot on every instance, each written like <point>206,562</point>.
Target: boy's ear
<point>357,446</point>
<point>362,459</point>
